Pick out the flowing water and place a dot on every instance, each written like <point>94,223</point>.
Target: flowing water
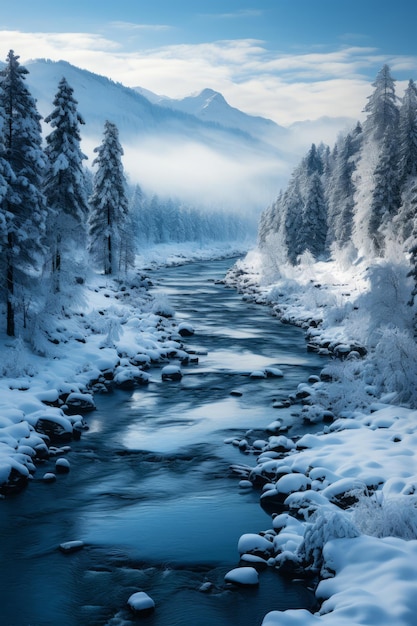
<point>150,491</point>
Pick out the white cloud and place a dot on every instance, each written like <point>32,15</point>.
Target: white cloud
<point>282,87</point>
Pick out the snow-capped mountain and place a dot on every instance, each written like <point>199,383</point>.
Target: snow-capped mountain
<point>211,106</point>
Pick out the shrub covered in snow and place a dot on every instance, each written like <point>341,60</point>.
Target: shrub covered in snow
<point>387,516</point>
<point>324,527</point>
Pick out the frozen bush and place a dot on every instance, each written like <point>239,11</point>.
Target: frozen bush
<point>396,364</point>
<point>393,516</point>
<point>386,299</point>
<point>348,390</point>
<point>161,306</point>
<point>325,526</point>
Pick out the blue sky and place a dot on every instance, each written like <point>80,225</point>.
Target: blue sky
<point>284,59</point>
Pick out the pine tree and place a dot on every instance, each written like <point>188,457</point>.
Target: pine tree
<point>138,212</point>
<point>407,164</point>
<point>6,177</point>
<point>408,133</point>
<point>377,198</point>
<point>385,195</point>
<point>65,187</point>
<point>413,271</point>
<point>24,209</point>
<point>382,106</point>
<point>310,229</point>
<point>292,207</point>
<point>313,233</point>
<point>109,206</point>
<point>341,189</point>
<point>269,221</point>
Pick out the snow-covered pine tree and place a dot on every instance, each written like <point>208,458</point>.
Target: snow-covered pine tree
<point>413,273</point>
<point>407,150</point>
<point>312,231</point>
<point>340,190</point>
<point>381,107</point>
<point>65,191</point>
<point>24,209</point>
<point>314,223</point>
<point>386,193</point>
<point>6,177</point>
<point>407,164</point>
<point>269,220</point>
<point>374,207</point>
<point>110,206</point>
<point>137,210</point>
<point>292,207</point>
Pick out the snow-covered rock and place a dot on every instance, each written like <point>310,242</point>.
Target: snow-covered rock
<point>80,403</point>
<point>251,543</point>
<point>171,372</point>
<point>242,576</point>
<point>141,604</point>
<point>185,329</point>
<point>49,477</point>
<point>62,466</point>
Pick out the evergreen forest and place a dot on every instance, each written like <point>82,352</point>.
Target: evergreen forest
<point>356,201</point>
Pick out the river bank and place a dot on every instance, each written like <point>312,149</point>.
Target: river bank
<point>111,337</point>
<point>345,497</point>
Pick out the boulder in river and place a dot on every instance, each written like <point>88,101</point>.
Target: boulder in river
<point>141,604</point>
<point>55,425</point>
<point>185,329</point>
<point>242,576</point>
<point>62,466</point>
<point>79,403</point>
<point>171,372</point>
<point>49,477</point>
<point>251,543</point>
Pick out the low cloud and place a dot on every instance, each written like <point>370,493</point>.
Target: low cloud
<point>203,176</point>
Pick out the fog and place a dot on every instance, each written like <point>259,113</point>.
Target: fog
<point>200,175</point>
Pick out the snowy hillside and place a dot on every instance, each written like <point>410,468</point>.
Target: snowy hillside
<point>169,151</point>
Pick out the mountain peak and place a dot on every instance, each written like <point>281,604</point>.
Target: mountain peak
<point>203,99</point>
<point>209,94</point>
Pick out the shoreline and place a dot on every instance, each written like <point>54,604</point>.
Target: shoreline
<point>343,498</point>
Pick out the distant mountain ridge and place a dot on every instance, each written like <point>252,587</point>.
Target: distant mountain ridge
<point>210,106</point>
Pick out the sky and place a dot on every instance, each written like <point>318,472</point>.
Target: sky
<point>288,60</point>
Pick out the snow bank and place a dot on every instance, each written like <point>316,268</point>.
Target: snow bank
<point>345,496</point>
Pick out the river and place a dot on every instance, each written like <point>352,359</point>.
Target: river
<point>150,491</point>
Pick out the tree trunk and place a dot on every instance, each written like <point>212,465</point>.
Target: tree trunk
<point>109,268</point>
<point>10,288</point>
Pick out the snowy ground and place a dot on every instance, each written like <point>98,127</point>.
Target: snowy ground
<point>346,497</point>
